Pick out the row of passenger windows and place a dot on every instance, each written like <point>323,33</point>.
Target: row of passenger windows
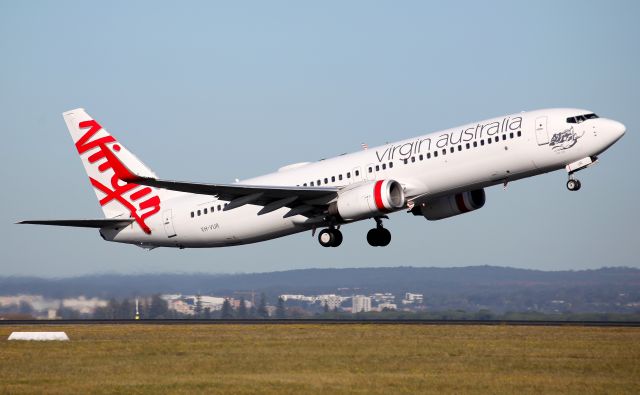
<point>383,166</point>
<point>208,210</point>
<point>581,118</point>
<point>428,155</point>
<point>460,147</point>
<point>327,180</point>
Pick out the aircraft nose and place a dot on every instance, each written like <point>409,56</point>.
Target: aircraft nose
<point>618,129</point>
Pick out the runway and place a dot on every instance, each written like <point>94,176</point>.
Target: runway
<point>308,321</point>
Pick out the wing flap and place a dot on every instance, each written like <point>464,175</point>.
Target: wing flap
<point>81,223</point>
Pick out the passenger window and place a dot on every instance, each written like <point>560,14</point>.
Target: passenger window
<point>390,165</point>
<point>489,140</point>
<point>421,157</point>
<point>192,215</point>
<point>319,182</point>
<point>460,148</point>
<point>199,213</point>
<point>219,207</point>
<point>333,178</point>
<point>497,138</point>
<point>311,183</point>
<point>348,174</point>
<point>340,177</point>
<point>468,145</point>
<point>406,161</point>
<point>452,149</point>
<point>511,135</point>
<point>413,159</point>
<point>481,142</point>
<point>428,155</point>
<point>384,166</point>
<point>519,133</point>
<point>304,185</point>
<point>504,137</point>
<point>444,151</point>
<point>326,181</point>
<point>377,168</point>
<point>435,154</point>
<point>205,210</point>
<point>357,173</point>
<point>370,170</point>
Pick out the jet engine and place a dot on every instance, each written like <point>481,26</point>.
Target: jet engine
<point>451,205</point>
<point>368,199</point>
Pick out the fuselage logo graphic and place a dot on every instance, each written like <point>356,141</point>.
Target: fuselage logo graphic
<point>141,202</point>
<point>564,140</point>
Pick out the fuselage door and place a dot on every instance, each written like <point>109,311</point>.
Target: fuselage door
<point>541,131</point>
<point>167,221</point>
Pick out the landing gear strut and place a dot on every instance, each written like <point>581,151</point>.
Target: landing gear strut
<point>331,237</point>
<point>378,236</point>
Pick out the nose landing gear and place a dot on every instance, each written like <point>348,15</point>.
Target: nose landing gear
<point>573,184</point>
<point>378,236</point>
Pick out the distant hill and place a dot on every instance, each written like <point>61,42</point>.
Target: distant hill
<point>471,288</point>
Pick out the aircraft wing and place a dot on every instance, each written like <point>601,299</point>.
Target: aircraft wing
<point>271,197</point>
<point>301,200</point>
<point>82,223</point>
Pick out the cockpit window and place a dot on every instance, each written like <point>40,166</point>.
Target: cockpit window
<point>581,118</point>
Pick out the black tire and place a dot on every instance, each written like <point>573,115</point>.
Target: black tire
<point>578,185</point>
<point>572,185</point>
<point>337,238</point>
<point>373,237</point>
<point>326,238</point>
<point>384,238</point>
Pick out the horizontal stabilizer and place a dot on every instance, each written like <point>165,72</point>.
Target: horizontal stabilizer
<point>82,223</point>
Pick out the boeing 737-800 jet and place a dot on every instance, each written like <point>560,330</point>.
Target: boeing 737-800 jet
<point>435,176</point>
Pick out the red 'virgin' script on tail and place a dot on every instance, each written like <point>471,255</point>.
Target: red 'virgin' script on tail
<point>118,189</point>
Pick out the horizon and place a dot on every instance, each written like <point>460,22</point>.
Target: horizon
<point>166,273</point>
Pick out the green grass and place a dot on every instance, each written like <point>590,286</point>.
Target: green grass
<point>295,358</point>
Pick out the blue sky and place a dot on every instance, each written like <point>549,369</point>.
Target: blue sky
<point>213,91</point>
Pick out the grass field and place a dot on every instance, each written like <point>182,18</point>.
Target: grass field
<point>239,359</point>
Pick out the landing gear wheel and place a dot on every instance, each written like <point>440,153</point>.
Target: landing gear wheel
<point>330,237</point>
<point>379,237</point>
<point>372,237</point>
<point>573,185</point>
<point>385,237</point>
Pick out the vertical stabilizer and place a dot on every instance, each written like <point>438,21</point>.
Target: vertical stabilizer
<point>100,152</point>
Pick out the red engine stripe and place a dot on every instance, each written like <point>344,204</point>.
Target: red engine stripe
<point>460,203</point>
<point>377,195</point>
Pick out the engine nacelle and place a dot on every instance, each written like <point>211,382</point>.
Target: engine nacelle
<point>451,205</point>
<point>368,199</point>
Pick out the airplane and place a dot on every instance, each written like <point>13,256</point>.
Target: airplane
<point>435,176</point>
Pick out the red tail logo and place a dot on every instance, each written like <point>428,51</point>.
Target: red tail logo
<point>118,188</point>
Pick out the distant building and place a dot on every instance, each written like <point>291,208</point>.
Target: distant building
<point>331,301</point>
<point>383,297</point>
<point>387,306</point>
<point>411,298</point>
<point>360,303</point>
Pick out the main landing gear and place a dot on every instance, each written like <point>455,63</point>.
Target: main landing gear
<point>331,237</point>
<point>378,236</point>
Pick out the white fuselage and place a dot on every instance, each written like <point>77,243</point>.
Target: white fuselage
<point>464,158</point>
